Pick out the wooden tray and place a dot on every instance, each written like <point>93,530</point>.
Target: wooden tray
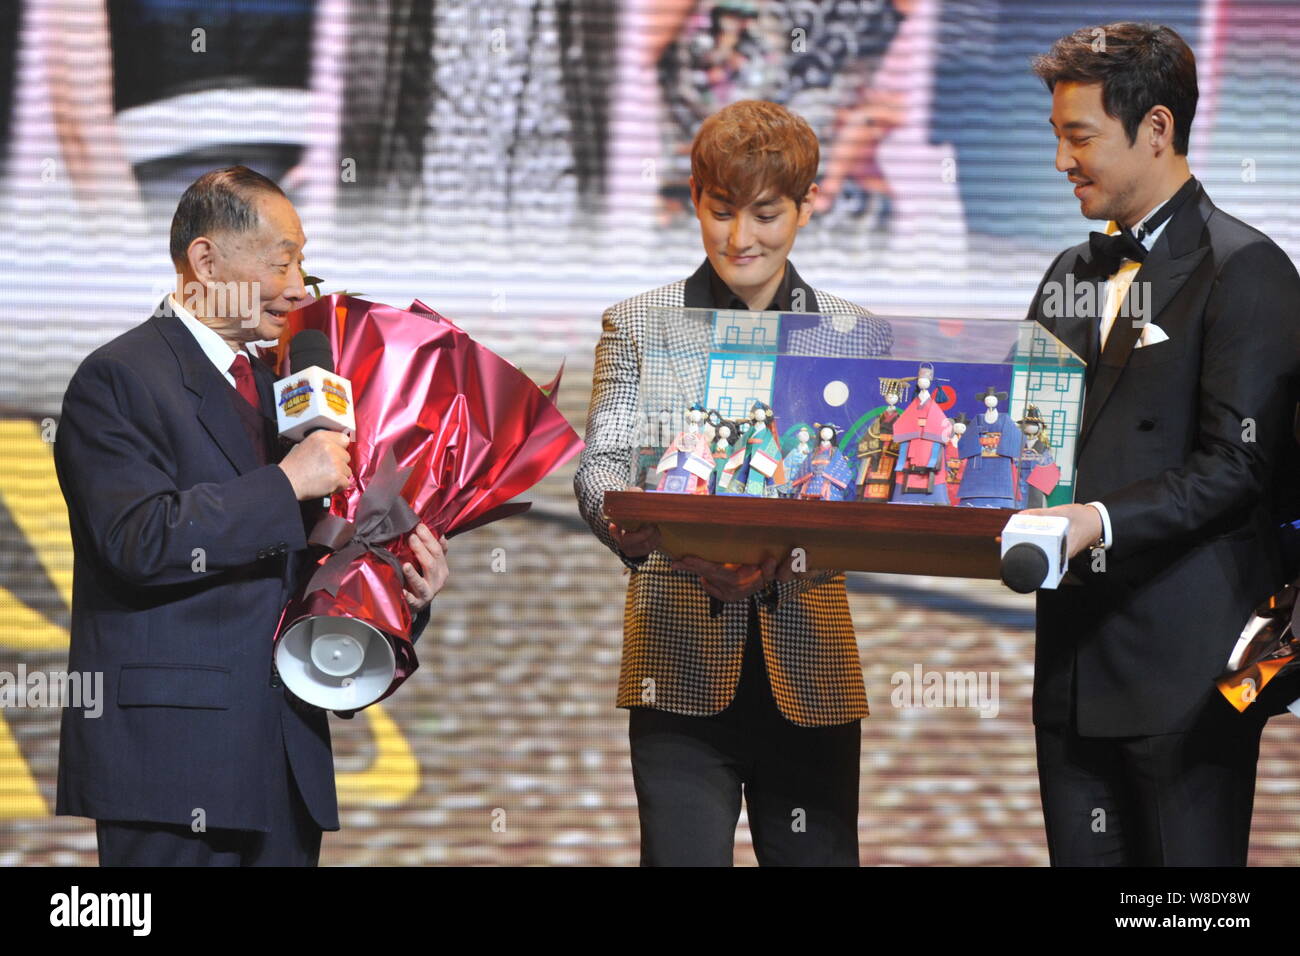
<point>847,535</point>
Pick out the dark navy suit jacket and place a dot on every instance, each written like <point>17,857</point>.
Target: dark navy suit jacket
<point>186,550</point>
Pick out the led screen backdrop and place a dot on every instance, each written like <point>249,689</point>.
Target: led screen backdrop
<point>520,165</point>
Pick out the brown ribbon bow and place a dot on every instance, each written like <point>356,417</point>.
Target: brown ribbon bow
<point>382,515</point>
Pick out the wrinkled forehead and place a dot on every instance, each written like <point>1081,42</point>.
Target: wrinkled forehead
<point>278,229</point>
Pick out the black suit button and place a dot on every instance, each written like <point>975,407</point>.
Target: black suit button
<point>1146,425</point>
<point>261,555</point>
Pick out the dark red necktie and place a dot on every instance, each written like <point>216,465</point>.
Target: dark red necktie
<point>242,370</point>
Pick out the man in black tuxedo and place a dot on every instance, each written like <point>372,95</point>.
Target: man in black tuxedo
<point>188,539</point>
<point>1188,410</point>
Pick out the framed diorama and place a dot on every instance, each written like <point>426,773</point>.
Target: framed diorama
<point>762,431</point>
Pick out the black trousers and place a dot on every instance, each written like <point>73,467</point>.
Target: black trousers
<point>293,840</point>
<point>1180,799</point>
<point>800,784</point>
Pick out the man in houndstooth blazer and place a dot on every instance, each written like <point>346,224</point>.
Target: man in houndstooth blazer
<point>682,650</point>
<point>763,693</point>
<point>670,639</point>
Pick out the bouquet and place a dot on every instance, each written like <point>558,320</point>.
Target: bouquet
<point>446,433</point>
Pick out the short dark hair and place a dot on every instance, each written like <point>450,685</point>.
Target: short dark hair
<point>223,200</point>
<point>1139,66</point>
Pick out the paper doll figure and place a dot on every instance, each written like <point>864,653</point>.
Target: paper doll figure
<point>922,431</point>
<point>1037,468</point>
<point>687,465</point>
<point>991,447</point>
<point>736,470</point>
<point>794,460</point>
<point>952,457</point>
<point>763,471</point>
<point>877,450</point>
<point>724,451</point>
<point>826,473</point>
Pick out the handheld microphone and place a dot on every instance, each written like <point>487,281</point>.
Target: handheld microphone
<point>1033,552</point>
<point>312,396</point>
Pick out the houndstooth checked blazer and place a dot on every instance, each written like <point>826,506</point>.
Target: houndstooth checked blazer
<point>677,657</point>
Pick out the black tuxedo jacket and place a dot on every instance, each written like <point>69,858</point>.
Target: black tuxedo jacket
<point>186,550</point>
<point>1181,441</point>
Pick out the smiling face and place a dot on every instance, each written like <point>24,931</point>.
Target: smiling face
<point>748,246</point>
<point>1112,179</point>
<point>267,258</point>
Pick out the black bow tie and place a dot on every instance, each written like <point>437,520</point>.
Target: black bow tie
<point>1109,251</point>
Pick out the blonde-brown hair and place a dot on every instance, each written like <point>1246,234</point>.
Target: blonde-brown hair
<point>750,147</point>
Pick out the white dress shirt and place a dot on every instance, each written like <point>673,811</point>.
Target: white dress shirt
<point>214,346</point>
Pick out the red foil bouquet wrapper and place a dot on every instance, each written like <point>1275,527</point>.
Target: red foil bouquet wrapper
<point>455,428</point>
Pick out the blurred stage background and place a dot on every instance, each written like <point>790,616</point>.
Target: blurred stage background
<point>520,165</point>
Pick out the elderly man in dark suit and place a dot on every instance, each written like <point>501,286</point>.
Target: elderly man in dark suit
<point>188,538</point>
<point>1192,347</point>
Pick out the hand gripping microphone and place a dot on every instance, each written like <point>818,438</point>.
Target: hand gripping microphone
<point>1033,552</point>
<point>312,396</point>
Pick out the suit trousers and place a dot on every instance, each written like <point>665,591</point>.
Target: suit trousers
<point>1181,799</point>
<point>800,784</point>
<point>293,840</point>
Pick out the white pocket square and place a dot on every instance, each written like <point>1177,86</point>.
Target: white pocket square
<point>1151,335</point>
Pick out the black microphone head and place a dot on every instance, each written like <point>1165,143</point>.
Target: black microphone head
<point>1024,568</point>
<point>310,347</point>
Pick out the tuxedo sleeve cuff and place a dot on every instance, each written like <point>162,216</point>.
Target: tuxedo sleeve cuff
<point>1106,539</point>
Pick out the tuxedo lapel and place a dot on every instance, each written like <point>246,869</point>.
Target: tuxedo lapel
<point>1075,326</point>
<point>212,392</point>
<point>1174,258</point>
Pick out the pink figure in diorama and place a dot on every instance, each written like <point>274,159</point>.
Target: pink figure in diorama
<point>826,474</point>
<point>922,431</point>
<point>991,447</point>
<point>877,449</point>
<point>1037,469</point>
<point>794,459</point>
<point>686,467</point>
<point>953,461</point>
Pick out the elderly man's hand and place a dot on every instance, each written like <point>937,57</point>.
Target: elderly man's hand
<point>423,584</point>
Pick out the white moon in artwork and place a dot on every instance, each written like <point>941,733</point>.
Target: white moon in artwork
<point>835,394</point>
